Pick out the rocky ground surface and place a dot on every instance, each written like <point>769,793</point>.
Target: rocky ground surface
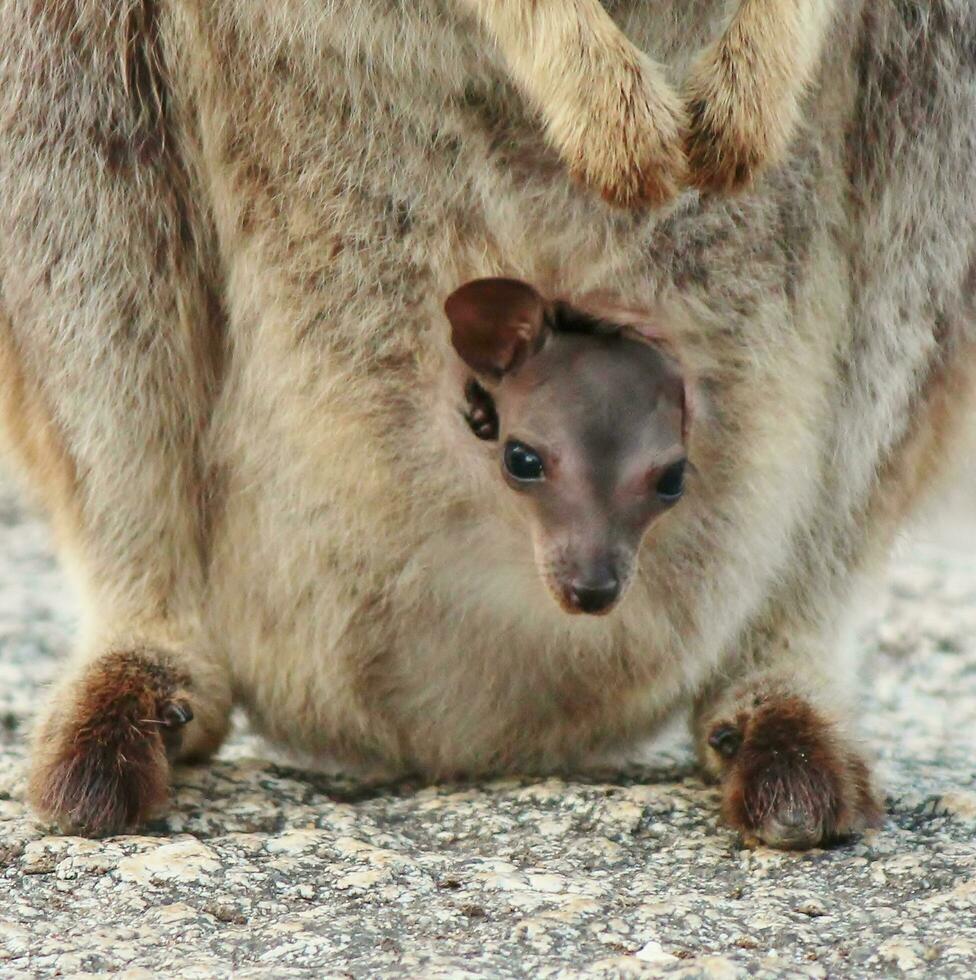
<point>265,870</point>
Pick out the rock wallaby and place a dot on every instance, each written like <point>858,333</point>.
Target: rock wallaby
<point>227,232</point>
<point>590,414</point>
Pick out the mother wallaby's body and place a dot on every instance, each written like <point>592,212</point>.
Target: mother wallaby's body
<point>226,231</point>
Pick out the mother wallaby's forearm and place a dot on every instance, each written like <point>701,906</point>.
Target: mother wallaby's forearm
<point>619,125</point>
<point>607,108</point>
<point>744,92</point>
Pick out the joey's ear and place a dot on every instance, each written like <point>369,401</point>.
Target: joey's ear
<point>496,324</point>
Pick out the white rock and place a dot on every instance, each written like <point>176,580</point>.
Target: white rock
<point>186,861</point>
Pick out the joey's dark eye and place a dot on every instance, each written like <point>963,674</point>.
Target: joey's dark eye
<point>671,483</point>
<point>522,462</point>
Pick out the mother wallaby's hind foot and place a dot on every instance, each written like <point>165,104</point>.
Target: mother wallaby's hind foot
<point>102,755</point>
<point>790,777</point>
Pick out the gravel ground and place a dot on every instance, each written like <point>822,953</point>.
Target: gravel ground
<point>265,870</point>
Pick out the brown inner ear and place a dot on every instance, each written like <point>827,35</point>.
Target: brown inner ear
<point>496,324</point>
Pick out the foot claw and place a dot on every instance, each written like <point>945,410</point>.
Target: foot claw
<point>725,739</point>
<point>176,714</point>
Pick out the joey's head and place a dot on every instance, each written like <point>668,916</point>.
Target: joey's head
<point>590,422</point>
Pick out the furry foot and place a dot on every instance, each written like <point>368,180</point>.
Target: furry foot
<point>625,140</point>
<point>101,760</point>
<point>788,778</point>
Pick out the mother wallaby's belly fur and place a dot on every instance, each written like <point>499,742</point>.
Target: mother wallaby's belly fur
<point>373,594</point>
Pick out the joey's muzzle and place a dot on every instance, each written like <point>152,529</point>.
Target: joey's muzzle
<point>593,598</point>
<point>594,593</point>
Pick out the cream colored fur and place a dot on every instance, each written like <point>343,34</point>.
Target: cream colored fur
<point>226,231</point>
<point>619,123</point>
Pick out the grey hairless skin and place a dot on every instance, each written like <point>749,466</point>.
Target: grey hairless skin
<point>590,420</point>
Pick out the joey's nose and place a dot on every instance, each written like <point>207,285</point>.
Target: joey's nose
<point>593,596</point>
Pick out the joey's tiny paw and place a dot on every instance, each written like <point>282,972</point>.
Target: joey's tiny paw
<point>482,425</point>
<point>101,760</point>
<point>481,414</point>
<point>789,779</point>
